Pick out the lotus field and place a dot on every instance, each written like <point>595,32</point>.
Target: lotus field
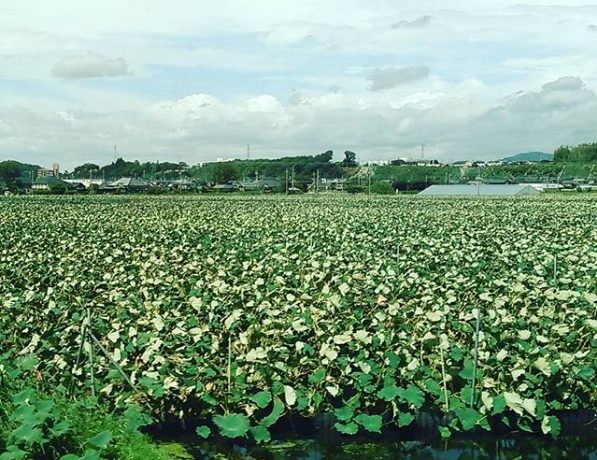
<point>241,311</point>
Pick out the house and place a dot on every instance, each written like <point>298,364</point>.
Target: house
<point>47,183</point>
<point>176,184</point>
<point>378,162</point>
<point>266,184</point>
<point>223,188</point>
<point>495,180</point>
<point>333,184</point>
<point>546,186</point>
<point>462,164</point>
<point>587,188</point>
<point>126,184</point>
<point>480,190</point>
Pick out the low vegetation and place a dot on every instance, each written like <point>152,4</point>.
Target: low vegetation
<point>40,422</point>
<point>243,310</point>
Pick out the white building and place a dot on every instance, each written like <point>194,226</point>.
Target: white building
<point>86,182</point>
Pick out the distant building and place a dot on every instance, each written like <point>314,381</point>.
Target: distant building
<point>54,172</point>
<point>587,188</point>
<point>223,188</point>
<point>416,162</point>
<point>494,180</point>
<point>177,184</point>
<point>463,163</point>
<point>127,184</point>
<point>377,162</point>
<point>86,182</point>
<point>333,184</point>
<point>544,187</point>
<point>480,190</point>
<point>266,184</point>
<point>46,183</point>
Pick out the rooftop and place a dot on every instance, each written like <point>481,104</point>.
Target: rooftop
<point>479,190</point>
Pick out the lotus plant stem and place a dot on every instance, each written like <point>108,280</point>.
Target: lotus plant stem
<point>476,355</point>
<point>229,372</point>
<point>112,361</point>
<point>91,371</point>
<point>441,354</point>
<point>78,360</point>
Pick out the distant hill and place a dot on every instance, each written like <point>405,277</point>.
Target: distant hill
<point>12,171</point>
<point>529,156</point>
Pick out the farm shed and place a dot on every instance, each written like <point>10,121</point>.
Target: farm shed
<point>480,190</point>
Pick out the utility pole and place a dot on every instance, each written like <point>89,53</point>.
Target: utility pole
<point>248,152</point>
<point>286,182</point>
<point>422,151</point>
<point>317,182</point>
<point>292,178</point>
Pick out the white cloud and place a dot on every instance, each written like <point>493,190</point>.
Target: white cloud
<point>390,77</point>
<point>288,77</point>
<point>417,23</point>
<point>89,65</point>
<point>453,121</point>
<point>564,84</point>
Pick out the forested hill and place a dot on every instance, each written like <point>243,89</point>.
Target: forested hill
<point>528,156</point>
<point>12,171</point>
<point>302,167</point>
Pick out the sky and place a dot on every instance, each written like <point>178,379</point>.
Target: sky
<point>197,80</point>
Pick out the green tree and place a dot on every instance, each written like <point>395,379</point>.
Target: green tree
<point>58,188</point>
<point>85,170</point>
<point>350,159</point>
<point>354,188</point>
<point>581,153</point>
<point>224,172</point>
<point>382,188</point>
<point>324,157</point>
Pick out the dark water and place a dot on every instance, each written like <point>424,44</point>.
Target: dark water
<point>523,447</point>
<point>313,439</point>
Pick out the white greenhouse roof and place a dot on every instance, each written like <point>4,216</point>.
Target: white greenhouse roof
<point>480,190</point>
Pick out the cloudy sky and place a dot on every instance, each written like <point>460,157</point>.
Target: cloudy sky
<point>194,80</point>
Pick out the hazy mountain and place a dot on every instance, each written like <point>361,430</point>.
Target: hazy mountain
<point>529,156</point>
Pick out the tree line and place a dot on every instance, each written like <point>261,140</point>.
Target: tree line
<point>581,153</point>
